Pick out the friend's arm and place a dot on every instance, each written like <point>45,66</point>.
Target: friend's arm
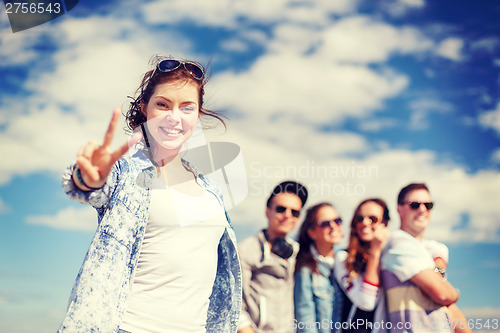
<point>434,286</point>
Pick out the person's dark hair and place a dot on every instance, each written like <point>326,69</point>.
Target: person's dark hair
<point>409,188</point>
<point>305,257</point>
<point>135,117</point>
<point>289,186</point>
<point>357,251</point>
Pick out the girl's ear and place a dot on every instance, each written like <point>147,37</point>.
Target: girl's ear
<point>143,108</point>
<point>311,234</point>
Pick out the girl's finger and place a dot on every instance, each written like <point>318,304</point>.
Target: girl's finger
<point>87,169</point>
<point>108,137</point>
<point>89,149</point>
<point>132,141</point>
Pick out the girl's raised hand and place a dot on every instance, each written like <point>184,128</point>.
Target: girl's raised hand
<point>380,237</point>
<point>95,161</point>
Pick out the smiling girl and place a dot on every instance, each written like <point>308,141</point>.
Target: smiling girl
<point>357,269</point>
<point>163,258</point>
<point>315,291</point>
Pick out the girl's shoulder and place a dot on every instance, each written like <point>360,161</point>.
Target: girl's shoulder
<point>340,256</point>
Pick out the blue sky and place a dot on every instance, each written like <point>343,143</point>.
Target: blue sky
<point>354,98</point>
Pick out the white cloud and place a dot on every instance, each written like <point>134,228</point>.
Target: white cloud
<point>361,39</point>
<point>234,45</point>
<point>311,89</point>
<point>19,50</point>
<point>495,157</point>
<point>399,8</point>
<point>451,48</point>
<point>486,44</point>
<point>421,108</point>
<point>377,124</point>
<point>491,119</point>
<point>484,312</point>
<point>234,14</point>
<point>45,140</point>
<point>413,3</point>
<point>70,218</point>
<point>3,207</point>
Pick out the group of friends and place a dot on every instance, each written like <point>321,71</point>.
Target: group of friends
<point>382,281</point>
<point>165,258</point>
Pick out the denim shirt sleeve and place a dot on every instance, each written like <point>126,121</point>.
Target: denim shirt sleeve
<point>305,309</point>
<point>97,198</point>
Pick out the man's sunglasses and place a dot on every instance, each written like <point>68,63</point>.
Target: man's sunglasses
<point>281,209</point>
<point>372,219</point>
<point>324,224</point>
<point>169,65</point>
<point>416,205</point>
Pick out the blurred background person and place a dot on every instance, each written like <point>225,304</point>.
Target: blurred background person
<point>315,289</point>
<point>268,263</point>
<point>357,269</point>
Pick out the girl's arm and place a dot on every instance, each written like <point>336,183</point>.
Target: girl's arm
<point>305,309</point>
<point>362,293</point>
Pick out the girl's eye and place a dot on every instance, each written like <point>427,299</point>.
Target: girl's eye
<point>161,104</point>
<point>188,109</point>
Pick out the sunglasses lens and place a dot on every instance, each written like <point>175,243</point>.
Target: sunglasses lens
<point>359,219</point>
<point>195,70</point>
<point>414,205</point>
<point>324,224</point>
<point>374,219</point>
<point>338,220</point>
<point>168,65</point>
<point>280,209</point>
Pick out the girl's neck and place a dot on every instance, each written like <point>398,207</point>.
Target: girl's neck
<point>167,159</point>
<point>326,250</point>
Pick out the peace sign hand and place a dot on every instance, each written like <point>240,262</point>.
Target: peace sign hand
<point>94,161</point>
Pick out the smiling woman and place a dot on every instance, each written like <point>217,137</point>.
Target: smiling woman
<point>155,265</point>
<point>357,269</point>
<point>315,292</point>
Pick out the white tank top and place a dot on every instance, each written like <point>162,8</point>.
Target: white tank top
<point>177,263</point>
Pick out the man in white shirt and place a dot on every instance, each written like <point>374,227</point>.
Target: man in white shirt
<point>417,295</point>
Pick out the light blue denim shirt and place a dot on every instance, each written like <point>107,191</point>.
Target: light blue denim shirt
<point>99,296</point>
<point>316,298</point>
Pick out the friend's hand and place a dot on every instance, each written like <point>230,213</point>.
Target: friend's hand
<point>380,236</point>
<point>95,161</point>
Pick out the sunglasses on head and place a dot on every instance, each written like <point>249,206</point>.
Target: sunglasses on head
<point>169,65</point>
<point>372,219</point>
<point>281,209</point>
<point>324,224</point>
<point>416,205</point>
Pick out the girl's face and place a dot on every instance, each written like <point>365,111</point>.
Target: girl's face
<point>328,234</point>
<point>172,113</point>
<point>369,216</point>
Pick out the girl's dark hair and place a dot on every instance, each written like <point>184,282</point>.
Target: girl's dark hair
<point>357,251</point>
<point>305,257</point>
<point>135,117</point>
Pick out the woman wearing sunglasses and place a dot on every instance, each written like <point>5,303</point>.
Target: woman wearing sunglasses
<point>315,290</point>
<point>357,269</point>
<point>155,263</point>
